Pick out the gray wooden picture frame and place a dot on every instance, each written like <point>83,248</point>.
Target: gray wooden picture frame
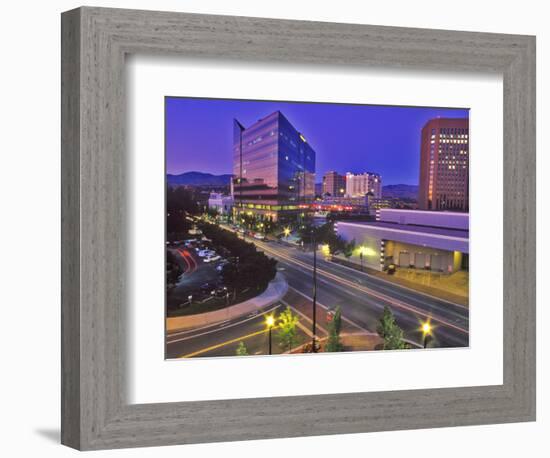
<point>95,412</point>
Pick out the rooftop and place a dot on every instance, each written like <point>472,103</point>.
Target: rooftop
<point>410,228</point>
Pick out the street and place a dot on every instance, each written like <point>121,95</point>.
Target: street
<point>361,297</point>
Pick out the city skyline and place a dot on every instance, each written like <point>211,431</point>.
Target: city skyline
<point>258,264</point>
<point>336,131</point>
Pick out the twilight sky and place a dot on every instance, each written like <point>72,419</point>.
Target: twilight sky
<point>346,138</point>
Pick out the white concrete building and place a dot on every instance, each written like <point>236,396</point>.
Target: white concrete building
<point>437,241</point>
<point>220,202</point>
<point>361,184</point>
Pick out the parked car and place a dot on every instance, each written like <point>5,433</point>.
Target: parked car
<point>259,236</point>
<point>220,266</point>
<point>212,258</point>
<point>221,291</point>
<point>206,253</point>
<point>207,287</point>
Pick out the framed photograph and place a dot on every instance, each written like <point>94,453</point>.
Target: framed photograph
<point>285,228</point>
<point>276,244</point>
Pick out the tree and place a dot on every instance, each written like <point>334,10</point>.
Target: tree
<point>213,212</point>
<point>324,234</point>
<point>181,199</point>
<point>249,221</point>
<point>335,243</point>
<point>176,224</point>
<point>231,278</point>
<point>287,329</point>
<point>241,349</point>
<point>335,326</point>
<point>390,331</point>
<point>173,269</point>
<point>348,248</point>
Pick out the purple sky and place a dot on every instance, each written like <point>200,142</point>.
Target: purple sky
<point>346,138</point>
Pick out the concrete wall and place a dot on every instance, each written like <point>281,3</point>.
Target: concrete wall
<point>450,220</point>
<point>349,231</point>
<point>448,261</point>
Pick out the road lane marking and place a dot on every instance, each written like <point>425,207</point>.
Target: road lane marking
<point>223,344</point>
<point>334,266</point>
<point>353,323</point>
<point>346,282</point>
<point>317,325</point>
<point>390,283</point>
<point>216,328</point>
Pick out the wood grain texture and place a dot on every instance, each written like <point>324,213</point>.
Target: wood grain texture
<point>95,413</point>
<point>70,229</point>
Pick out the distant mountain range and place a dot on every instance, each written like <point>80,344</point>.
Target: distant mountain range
<point>400,191</point>
<point>199,179</point>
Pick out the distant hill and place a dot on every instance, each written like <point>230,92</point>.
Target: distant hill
<point>199,179</point>
<point>400,191</point>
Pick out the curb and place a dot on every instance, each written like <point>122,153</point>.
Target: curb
<point>275,291</point>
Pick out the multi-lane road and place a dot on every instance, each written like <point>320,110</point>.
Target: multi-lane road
<point>362,298</point>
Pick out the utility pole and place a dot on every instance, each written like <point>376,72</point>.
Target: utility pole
<point>313,331</point>
<point>241,175</point>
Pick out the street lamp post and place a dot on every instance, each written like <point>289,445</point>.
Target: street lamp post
<point>286,232</point>
<point>314,325</point>
<point>269,321</point>
<point>361,258</point>
<point>426,331</point>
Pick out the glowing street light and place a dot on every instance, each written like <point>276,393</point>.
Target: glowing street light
<point>365,251</point>
<point>286,231</point>
<point>362,251</point>
<point>426,332</point>
<point>269,322</point>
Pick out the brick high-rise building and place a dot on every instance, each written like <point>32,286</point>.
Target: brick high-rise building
<point>444,163</point>
<point>334,184</point>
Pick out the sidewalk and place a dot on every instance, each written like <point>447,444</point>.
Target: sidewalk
<point>355,341</point>
<point>275,291</point>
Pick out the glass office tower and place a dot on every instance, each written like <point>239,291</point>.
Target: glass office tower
<point>273,169</point>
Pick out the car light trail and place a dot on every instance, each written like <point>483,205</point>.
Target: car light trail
<point>363,289</point>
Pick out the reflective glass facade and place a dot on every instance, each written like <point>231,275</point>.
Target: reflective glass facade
<point>273,166</point>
